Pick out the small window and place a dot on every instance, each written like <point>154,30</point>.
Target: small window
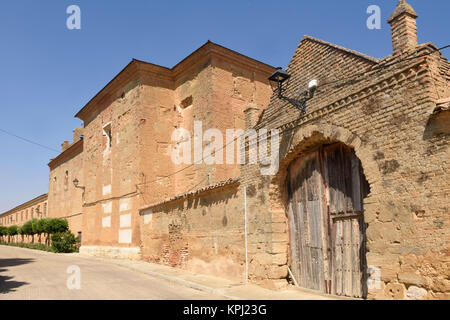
<point>108,133</point>
<point>66,181</point>
<point>45,209</point>
<point>54,185</point>
<point>186,102</point>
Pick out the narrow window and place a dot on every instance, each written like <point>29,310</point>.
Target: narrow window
<point>54,185</point>
<point>108,134</point>
<point>66,181</point>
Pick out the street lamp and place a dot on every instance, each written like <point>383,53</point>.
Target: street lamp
<point>279,81</point>
<point>76,183</point>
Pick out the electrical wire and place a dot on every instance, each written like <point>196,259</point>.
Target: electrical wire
<point>28,140</point>
<point>377,68</point>
<point>372,71</point>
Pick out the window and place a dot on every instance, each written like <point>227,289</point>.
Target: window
<point>54,185</point>
<point>66,181</point>
<point>186,103</point>
<point>32,213</point>
<point>108,134</point>
<point>45,209</point>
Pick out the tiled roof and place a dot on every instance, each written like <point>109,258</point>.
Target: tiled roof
<point>353,52</point>
<point>194,192</point>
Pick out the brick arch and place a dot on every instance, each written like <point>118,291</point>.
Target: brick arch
<point>308,137</point>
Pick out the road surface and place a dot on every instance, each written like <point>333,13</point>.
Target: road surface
<point>27,274</point>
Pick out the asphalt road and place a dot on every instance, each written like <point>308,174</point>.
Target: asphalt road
<point>35,275</point>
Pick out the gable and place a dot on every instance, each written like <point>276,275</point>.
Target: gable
<point>322,61</point>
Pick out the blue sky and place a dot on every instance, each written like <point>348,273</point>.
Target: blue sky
<point>48,73</point>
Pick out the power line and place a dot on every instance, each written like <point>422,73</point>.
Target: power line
<point>375,69</point>
<point>28,140</point>
<point>384,66</point>
<point>372,71</point>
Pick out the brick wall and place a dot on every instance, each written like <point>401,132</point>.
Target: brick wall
<point>202,232</point>
<point>384,118</point>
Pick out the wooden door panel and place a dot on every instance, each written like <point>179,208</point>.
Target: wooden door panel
<point>326,190</point>
<point>304,186</point>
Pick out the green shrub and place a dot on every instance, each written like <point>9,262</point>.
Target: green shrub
<point>3,231</point>
<point>34,246</point>
<point>64,242</point>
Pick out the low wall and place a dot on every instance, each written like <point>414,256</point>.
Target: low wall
<point>202,233</point>
<point>111,252</point>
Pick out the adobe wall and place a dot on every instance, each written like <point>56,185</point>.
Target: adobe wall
<point>203,233</point>
<point>110,176</point>
<point>64,200</point>
<point>385,118</point>
<point>212,91</point>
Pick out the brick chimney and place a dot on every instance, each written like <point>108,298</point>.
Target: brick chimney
<point>65,146</point>
<point>77,133</point>
<point>403,27</point>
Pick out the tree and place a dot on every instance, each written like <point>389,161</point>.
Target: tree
<point>27,228</point>
<point>35,227</point>
<point>12,231</point>
<point>56,226</point>
<point>20,232</point>
<point>39,227</point>
<point>3,232</point>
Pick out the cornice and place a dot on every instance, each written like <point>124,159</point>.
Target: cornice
<point>137,68</point>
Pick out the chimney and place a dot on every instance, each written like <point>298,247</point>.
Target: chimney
<point>403,27</point>
<point>65,146</point>
<point>77,134</point>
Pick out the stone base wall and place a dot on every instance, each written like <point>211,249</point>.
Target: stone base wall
<point>111,252</point>
<point>200,233</point>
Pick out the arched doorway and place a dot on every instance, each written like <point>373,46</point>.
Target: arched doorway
<point>326,188</point>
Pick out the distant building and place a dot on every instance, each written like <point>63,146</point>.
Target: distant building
<point>35,208</point>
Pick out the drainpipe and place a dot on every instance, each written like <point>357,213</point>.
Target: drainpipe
<point>245,234</point>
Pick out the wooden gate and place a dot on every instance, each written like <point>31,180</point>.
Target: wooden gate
<point>326,192</point>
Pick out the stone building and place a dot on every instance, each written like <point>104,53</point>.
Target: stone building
<point>124,160</point>
<point>35,208</point>
<point>65,201</point>
<point>363,178</point>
